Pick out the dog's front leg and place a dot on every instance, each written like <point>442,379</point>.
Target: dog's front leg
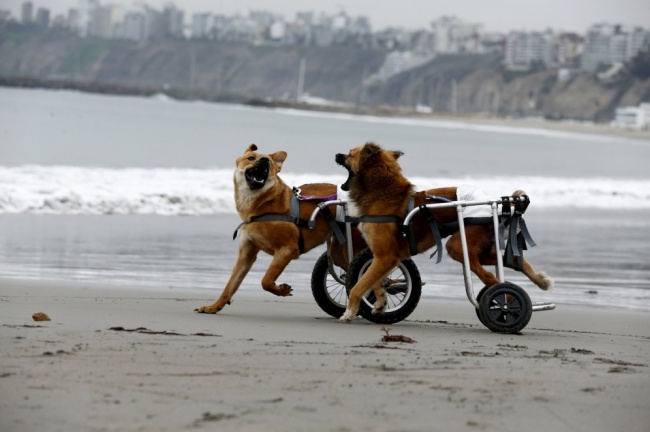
<point>372,278</point>
<point>245,260</point>
<point>281,258</point>
<point>380,298</point>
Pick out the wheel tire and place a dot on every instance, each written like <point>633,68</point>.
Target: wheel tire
<point>400,302</point>
<point>505,308</point>
<point>329,293</point>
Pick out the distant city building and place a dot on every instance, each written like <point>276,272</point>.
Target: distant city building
<point>605,48</point>
<point>492,43</point>
<point>525,50</point>
<point>5,19</point>
<point>43,17</point>
<point>86,17</point>
<point>277,31</point>
<point>453,36</point>
<point>567,50</point>
<point>633,117</point>
<point>27,13</point>
<point>173,21</point>
<point>133,26</point>
<point>607,44</point>
<point>201,26</point>
<point>73,19</point>
<point>106,21</point>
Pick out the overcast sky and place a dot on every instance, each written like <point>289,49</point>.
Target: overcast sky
<point>496,15</point>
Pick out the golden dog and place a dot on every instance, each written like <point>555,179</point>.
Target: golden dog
<point>260,191</point>
<point>377,187</point>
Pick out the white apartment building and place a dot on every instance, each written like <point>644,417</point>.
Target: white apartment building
<point>452,36</point>
<point>201,25</point>
<point>86,15</point>
<point>633,117</point>
<point>606,44</point>
<point>133,26</point>
<point>525,49</point>
<point>106,20</point>
<point>173,21</point>
<point>27,12</point>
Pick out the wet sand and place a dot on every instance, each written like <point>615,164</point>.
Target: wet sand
<point>129,359</point>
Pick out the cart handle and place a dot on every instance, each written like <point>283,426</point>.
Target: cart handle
<point>456,204</point>
<point>311,224</point>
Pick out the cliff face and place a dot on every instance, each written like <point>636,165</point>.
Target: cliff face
<point>461,84</point>
<point>471,85</point>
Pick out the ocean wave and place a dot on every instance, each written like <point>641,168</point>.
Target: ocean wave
<point>175,191</point>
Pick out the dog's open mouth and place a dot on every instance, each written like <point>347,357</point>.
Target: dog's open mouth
<point>257,175</point>
<point>340,159</point>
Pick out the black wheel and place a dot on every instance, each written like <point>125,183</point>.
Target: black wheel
<point>328,287</point>
<point>403,289</point>
<point>505,308</point>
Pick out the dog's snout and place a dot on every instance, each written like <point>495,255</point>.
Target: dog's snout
<point>264,159</point>
<point>340,158</point>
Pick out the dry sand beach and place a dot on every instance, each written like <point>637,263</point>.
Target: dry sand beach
<point>127,359</point>
<point>131,357</point>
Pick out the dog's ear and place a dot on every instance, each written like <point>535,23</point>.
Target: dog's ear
<point>278,158</point>
<point>251,148</point>
<point>368,150</point>
<point>397,154</point>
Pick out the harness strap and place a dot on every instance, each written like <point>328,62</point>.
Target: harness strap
<point>331,221</point>
<point>433,224</point>
<point>380,218</point>
<point>373,219</point>
<point>518,235</point>
<point>293,217</point>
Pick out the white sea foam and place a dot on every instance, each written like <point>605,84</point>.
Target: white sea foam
<point>168,191</point>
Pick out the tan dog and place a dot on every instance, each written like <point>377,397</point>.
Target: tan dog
<point>260,191</point>
<point>377,187</point>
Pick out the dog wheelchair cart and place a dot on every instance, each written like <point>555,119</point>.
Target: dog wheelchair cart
<point>503,308</point>
<point>330,283</point>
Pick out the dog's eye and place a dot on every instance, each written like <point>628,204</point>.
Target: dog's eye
<point>251,158</point>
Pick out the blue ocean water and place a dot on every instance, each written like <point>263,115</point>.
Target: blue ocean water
<point>139,190</point>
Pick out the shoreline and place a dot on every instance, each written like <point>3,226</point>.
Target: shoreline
<point>568,126</point>
<point>134,359</point>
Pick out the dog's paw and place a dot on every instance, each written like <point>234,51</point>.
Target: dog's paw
<point>207,309</point>
<point>518,193</point>
<point>380,305</point>
<point>285,290</point>
<point>347,316</point>
<point>546,282</point>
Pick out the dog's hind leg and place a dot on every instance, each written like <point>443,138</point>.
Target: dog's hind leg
<point>541,279</point>
<point>281,258</point>
<point>478,248</point>
<point>482,251</point>
<point>245,260</point>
